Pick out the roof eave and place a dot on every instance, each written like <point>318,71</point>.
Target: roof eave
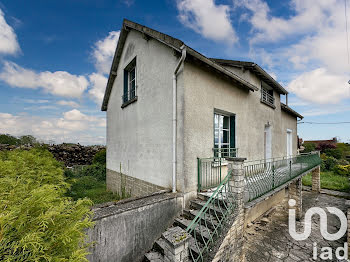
<point>173,43</point>
<point>221,69</point>
<point>271,79</point>
<point>289,110</point>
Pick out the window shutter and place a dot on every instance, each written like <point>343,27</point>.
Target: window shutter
<point>232,131</point>
<point>125,96</point>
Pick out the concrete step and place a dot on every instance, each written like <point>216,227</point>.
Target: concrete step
<point>208,220</point>
<point>159,246</point>
<point>153,256</point>
<point>194,247</point>
<point>200,233</point>
<point>221,202</point>
<point>214,210</point>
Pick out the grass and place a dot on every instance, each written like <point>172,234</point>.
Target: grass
<point>331,181</point>
<point>97,193</point>
<point>90,186</point>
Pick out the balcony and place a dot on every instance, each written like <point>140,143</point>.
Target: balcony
<point>261,176</point>
<point>225,152</point>
<point>267,98</point>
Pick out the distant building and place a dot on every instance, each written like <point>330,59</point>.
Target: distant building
<point>317,142</point>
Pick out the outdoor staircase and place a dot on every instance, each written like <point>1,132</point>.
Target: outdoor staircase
<point>183,221</point>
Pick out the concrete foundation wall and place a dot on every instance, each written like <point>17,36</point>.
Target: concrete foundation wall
<point>127,230</point>
<point>139,135</point>
<point>206,92</point>
<point>252,213</point>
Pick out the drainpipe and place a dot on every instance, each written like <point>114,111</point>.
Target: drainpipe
<point>286,99</point>
<point>182,59</point>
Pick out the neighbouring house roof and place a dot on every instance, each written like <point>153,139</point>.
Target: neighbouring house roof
<point>333,141</point>
<point>175,44</point>
<point>254,68</point>
<point>288,110</point>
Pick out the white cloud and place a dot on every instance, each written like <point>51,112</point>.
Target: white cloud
<point>35,101</point>
<point>59,83</point>
<point>129,2</point>
<point>67,103</point>
<point>103,52</point>
<point>313,42</point>
<point>98,83</point>
<point>8,38</point>
<point>73,126</point>
<point>208,19</point>
<point>309,16</point>
<point>321,86</point>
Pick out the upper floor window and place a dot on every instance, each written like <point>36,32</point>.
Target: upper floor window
<point>267,95</point>
<point>130,82</point>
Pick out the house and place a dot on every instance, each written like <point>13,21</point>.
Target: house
<point>332,142</point>
<point>168,105</point>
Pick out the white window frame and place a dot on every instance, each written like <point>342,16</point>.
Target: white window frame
<point>221,132</point>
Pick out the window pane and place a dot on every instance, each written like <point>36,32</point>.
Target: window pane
<point>225,137</point>
<point>226,122</point>
<point>132,74</point>
<point>216,136</point>
<point>216,121</point>
<point>132,85</point>
<point>221,121</point>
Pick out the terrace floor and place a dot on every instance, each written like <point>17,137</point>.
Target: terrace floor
<point>268,239</point>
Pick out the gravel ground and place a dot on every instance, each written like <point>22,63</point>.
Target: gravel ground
<point>268,239</point>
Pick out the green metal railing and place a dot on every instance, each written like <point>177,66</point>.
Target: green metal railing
<point>208,223</point>
<point>263,176</point>
<point>210,172</point>
<point>225,152</point>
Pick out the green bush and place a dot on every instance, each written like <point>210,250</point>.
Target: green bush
<point>37,222</point>
<point>9,140</point>
<point>343,162</point>
<point>309,147</point>
<point>328,162</point>
<point>100,157</point>
<point>342,170</point>
<point>334,152</point>
<point>95,170</point>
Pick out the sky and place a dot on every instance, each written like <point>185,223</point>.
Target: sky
<point>55,57</point>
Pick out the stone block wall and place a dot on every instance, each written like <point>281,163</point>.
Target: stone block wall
<point>295,192</point>
<point>316,179</point>
<point>127,185</point>
<point>231,249</point>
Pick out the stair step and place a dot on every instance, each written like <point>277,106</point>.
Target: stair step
<point>214,210</point>
<point>194,247</point>
<point>205,197</point>
<point>201,233</point>
<point>209,219</point>
<point>159,245</point>
<point>153,256</point>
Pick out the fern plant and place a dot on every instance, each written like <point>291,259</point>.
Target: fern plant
<point>37,222</point>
